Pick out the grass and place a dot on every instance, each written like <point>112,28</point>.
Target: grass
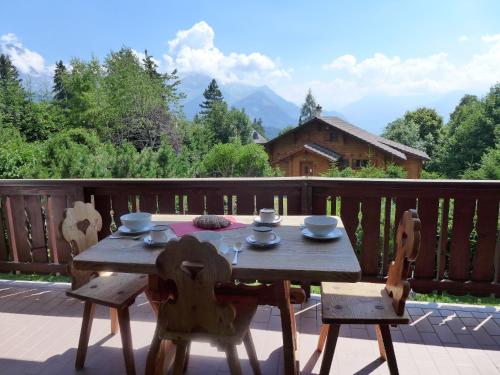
<point>448,298</point>
<point>443,298</point>
<point>35,277</point>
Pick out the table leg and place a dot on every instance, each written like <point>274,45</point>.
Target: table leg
<point>288,328</point>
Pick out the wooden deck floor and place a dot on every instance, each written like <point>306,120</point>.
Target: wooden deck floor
<point>39,329</point>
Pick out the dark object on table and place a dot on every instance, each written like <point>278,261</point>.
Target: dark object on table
<point>211,222</point>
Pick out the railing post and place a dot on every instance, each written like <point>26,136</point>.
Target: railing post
<point>305,197</point>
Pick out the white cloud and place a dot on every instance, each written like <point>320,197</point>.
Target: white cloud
<point>463,38</point>
<point>194,51</point>
<point>351,79</point>
<point>491,38</point>
<point>24,59</point>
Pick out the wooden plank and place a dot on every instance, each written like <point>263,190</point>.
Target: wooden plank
<point>245,204</point>
<point>33,207</point>
<point>4,251</point>
<point>102,204</point>
<point>166,202</point>
<point>293,203</point>
<point>147,203</point>
<point>349,211</point>
<point>463,215</point>
<point>280,210</point>
<point>215,203</point>
<point>443,238</point>
<point>196,203</point>
<point>484,260</point>
<point>428,210</point>
<point>18,234</point>
<point>387,254</point>
<point>370,222</point>
<point>319,203</point>
<point>265,200</point>
<point>60,250</point>
<point>120,204</point>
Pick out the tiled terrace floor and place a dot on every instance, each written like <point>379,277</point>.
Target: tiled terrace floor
<point>39,329</point>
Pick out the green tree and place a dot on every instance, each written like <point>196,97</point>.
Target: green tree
<point>285,129</point>
<point>489,168</point>
<point>13,98</point>
<point>236,160</point>
<point>421,129</point>
<point>58,88</point>
<point>212,95</point>
<point>309,109</point>
<point>469,134</point>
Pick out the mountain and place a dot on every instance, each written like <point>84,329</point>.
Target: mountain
<point>261,102</point>
<point>373,113</point>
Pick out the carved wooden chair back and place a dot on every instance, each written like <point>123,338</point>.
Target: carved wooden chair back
<point>407,247</point>
<point>79,227</point>
<point>195,268</point>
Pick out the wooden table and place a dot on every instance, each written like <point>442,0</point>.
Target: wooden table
<point>295,258</point>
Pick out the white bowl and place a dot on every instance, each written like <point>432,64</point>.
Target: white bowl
<point>213,237</point>
<point>320,225</point>
<point>136,220</point>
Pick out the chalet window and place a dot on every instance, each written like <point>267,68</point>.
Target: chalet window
<point>344,163</point>
<point>359,163</point>
<point>255,135</point>
<point>334,136</point>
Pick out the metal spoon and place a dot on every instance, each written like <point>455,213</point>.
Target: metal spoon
<point>115,237</point>
<point>237,249</point>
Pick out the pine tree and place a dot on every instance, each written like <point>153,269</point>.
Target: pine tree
<point>309,109</point>
<point>58,89</point>
<point>212,95</point>
<point>13,97</point>
<point>150,66</point>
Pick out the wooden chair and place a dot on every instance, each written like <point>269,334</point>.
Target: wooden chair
<point>116,290</point>
<point>194,312</point>
<point>368,303</point>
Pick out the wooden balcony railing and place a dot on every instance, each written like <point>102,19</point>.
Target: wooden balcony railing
<point>460,250</point>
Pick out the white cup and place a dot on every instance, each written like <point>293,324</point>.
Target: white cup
<point>268,215</point>
<point>209,236</point>
<point>159,233</point>
<point>263,234</point>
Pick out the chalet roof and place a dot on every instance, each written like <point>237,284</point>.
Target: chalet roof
<point>322,151</point>
<point>393,148</point>
<point>257,137</point>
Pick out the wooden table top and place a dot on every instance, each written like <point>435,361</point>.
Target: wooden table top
<point>294,258</point>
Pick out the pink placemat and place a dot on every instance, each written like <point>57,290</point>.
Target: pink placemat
<point>186,227</point>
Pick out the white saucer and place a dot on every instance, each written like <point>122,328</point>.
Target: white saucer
<point>148,241</point>
<point>263,245</point>
<point>276,221</point>
<point>334,234</point>
<point>123,229</point>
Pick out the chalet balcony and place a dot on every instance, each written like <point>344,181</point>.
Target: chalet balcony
<point>459,254</point>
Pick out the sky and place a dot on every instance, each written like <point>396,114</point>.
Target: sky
<point>342,50</point>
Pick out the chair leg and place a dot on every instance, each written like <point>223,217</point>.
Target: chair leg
<point>126,334</point>
<point>331,342</point>
<point>322,337</point>
<point>380,341</point>
<point>233,360</point>
<point>154,349</point>
<point>113,315</point>
<point>180,357</point>
<point>252,355</point>
<point>186,361</point>
<point>88,317</point>
<point>389,348</point>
